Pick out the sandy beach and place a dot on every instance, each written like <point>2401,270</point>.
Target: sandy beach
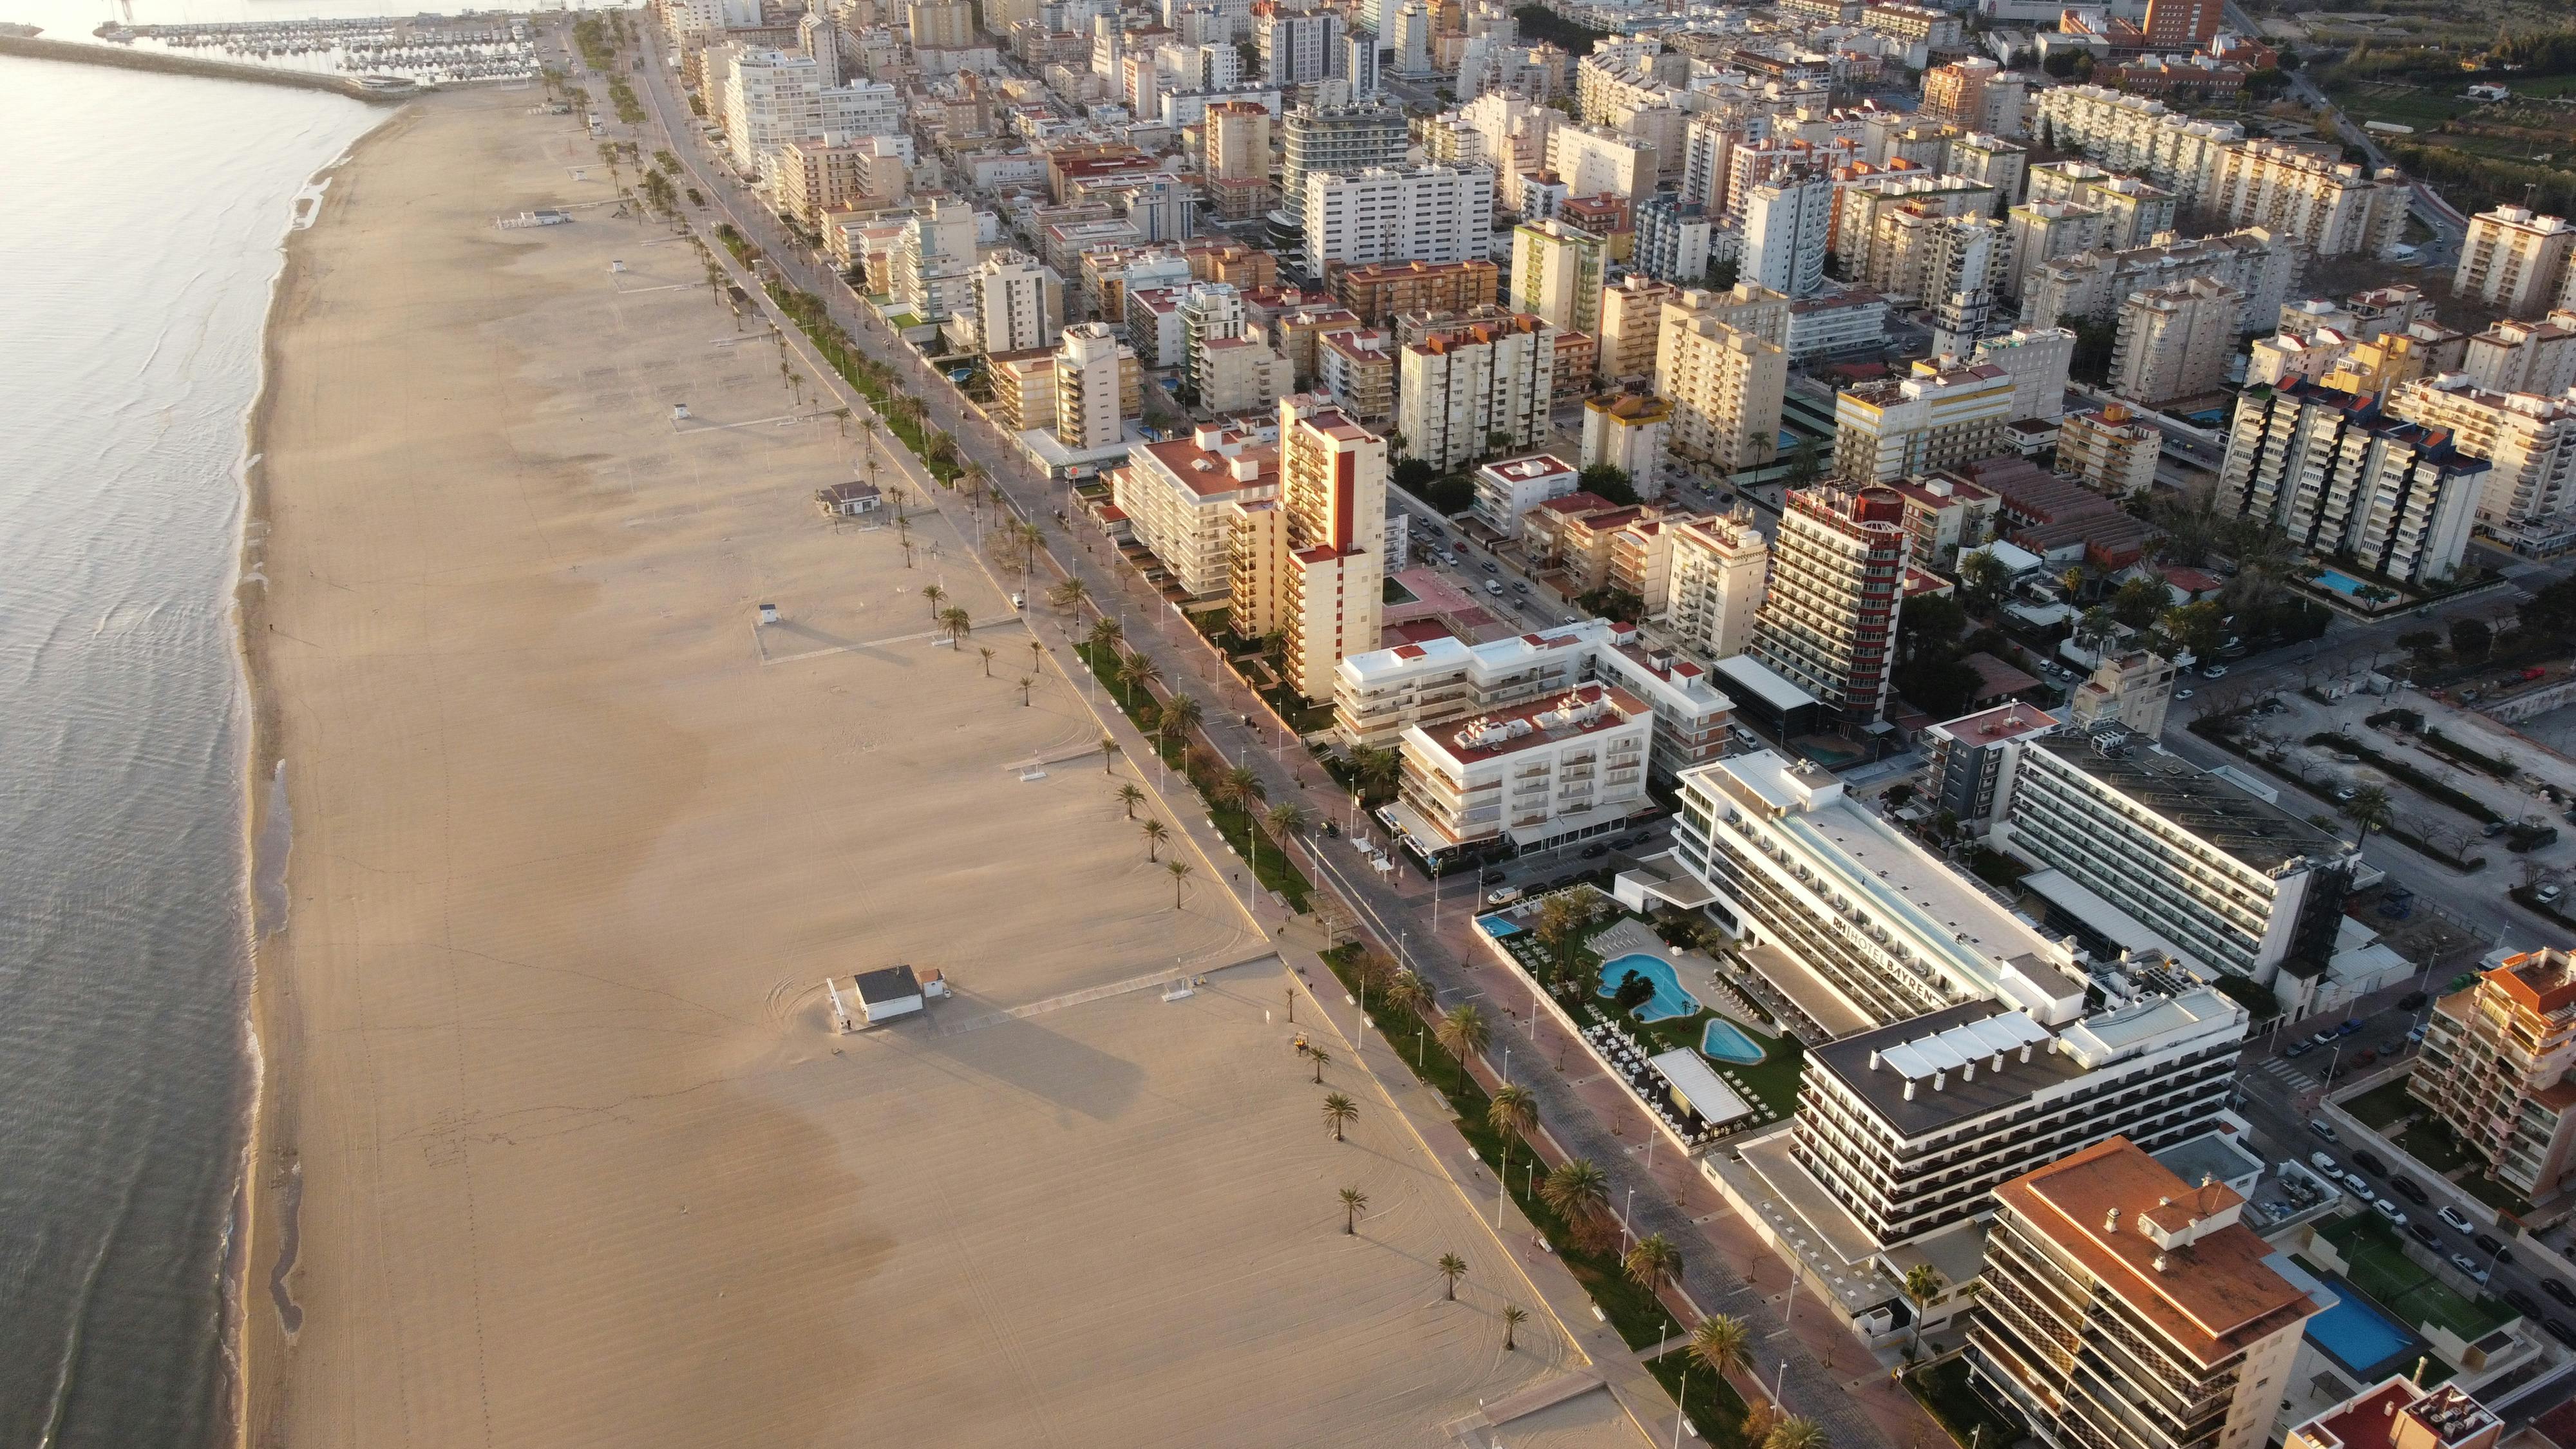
<point>553,1114</point>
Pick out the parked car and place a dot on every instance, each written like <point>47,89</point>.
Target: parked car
<point>2414,1034</point>
<point>2452,1216</point>
<point>2388,1210</point>
<point>2343,794</point>
<point>2412,1001</point>
<point>2487,1244</point>
<point>2300,1048</point>
<point>2469,1266</point>
<point>1492,567</point>
<point>2364,1058</point>
<point>2326,1164</point>
<point>1561,882</point>
<point>2215,671</point>
<point>2325,1037</point>
<point>1503,897</point>
<point>2422,1234</point>
<point>2350,1025</point>
<point>2492,829</point>
<point>1595,852</point>
<point>2559,1330</point>
<point>2370,1163</point>
<point>2523,1303</point>
<point>2559,1291</point>
<point>1493,878</point>
<point>2548,893</point>
<point>2410,1189</point>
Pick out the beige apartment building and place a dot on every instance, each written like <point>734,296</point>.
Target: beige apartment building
<point>1632,432</point>
<point>1023,389</point>
<point>1726,385</point>
<point>2494,1069</point>
<point>1557,768</point>
<point>1234,162</point>
<point>2333,206</point>
<point>1098,386</point>
<point>1932,419</point>
<point>2124,1306</point>
<point>2533,357</point>
<point>2110,448</point>
<point>2039,232</point>
<point>1312,563</point>
<point>1713,584</point>
<point>2132,211</point>
<point>1471,391</point>
<point>2513,260</point>
<point>1632,319</point>
<point>1183,498</point>
<point>1353,366</point>
<point>1556,274</point>
<point>2529,443</point>
<point>2174,341</point>
<point>1382,290</point>
<point>816,176</point>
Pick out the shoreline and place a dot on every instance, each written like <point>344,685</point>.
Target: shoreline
<point>266,1042</point>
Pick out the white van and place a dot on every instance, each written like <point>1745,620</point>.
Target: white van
<point>1494,587</point>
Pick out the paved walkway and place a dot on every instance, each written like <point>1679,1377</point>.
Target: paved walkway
<point>1724,1262</point>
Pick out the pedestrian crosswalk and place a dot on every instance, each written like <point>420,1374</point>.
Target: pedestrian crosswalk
<point>2289,1076</point>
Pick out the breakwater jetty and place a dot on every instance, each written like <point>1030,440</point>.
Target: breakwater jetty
<point>38,48</point>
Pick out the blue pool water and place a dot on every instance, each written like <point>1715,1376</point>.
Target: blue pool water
<point>2339,582</point>
<point>1498,926</point>
<point>2356,1334</point>
<point>1669,1000</point>
<point>1724,1041</point>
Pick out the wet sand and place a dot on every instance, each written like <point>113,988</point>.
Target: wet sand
<point>575,1156</point>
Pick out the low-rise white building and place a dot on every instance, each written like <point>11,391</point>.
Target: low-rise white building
<point>1508,489</point>
<point>1535,775</point>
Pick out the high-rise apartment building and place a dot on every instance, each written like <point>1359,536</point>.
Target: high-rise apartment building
<point>1185,497</point>
<point>1297,47</point>
<point>2132,211</point>
<point>1556,274</point>
<point>1210,312</point>
<point>1534,775</point>
<point>1714,584</point>
<point>2496,1058</point>
<point>1472,390</point>
<point>770,101</point>
<point>1991,161</point>
<point>1974,94</point>
<point>2110,448</point>
<point>1673,240</point>
<point>2039,232</point>
<point>1597,161</point>
<point>1235,166</point>
<point>1937,417</point>
<point>2091,284</point>
<point>1828,622</point>
<point>1512,487</point>
<point>1313,565</point>
<point>2333,206</point>
<point>2174,341</point>
<point>2123,1305</point>
<point>2182,25</point>
<point>2136,135</point>
<point>1631,322</point>
<point>2528,442</point>
<point>1343,139</point>
<point>2346,478</point>
<point>2227,880</point>
<point>2038,359</point>
<point>1726,384</point>
<point>2514,261</point>
<point>1785,227</point>
<point>1377,291</point>
<point>1014,303</point>
<point>816,176</point>
<point>2532,357</point>
<point>1098,385</point>
<point>1632,432</point>
<point>1429,214</point>
<point>934,271</point>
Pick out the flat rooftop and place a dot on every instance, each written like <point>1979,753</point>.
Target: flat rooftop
<point>1586,709</point>
<point>1995,726</point>
<point>1960,1097</point>
<point>2211,1298</point>
<point>1945,907</point>
<point>2247,827</point>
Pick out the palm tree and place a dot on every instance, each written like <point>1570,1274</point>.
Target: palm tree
<point>1030,538</point>
<point>1464,1031</point>
<point>1179,870</point>
<point>934,593</point>
<point>1322,1059</point>
<point>1653,1260</point>
<point>1037,656</point>
<point>1339,1113</point>
<point>1155,833</point>
<point>1375,768</point>
<point>1071,595</point>
<point>1514,1316</point>
<point>1179,715</point>
<point>1243,788</point>
<point>1795,1432</point>
<point>1452,1268</point>
<point>2370,809</point>
<point>1025,682</point>
<point>1131,797</point>
<point>1721,1344</point>
<point>1108,753</point>
<point>1288,818</point>
<point>1922,1284</point>
<point>1511,1111</point>
<point>958,623</point>
<point>1576,1189</point>
<point>1104,635</point>
<point>1353,1201</point>
<point>1406,993</point>
<point>1136,672</point>
<point>987,653</point>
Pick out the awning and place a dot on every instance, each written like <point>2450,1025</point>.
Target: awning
<point>1699,1089</point>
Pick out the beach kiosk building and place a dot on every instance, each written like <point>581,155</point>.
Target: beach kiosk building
<point>888,993</point>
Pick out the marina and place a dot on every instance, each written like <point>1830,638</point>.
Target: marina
<point>428,49</point>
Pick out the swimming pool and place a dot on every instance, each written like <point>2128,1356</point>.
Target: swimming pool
<point>2341,583</point>
<point>1724,1041</point>
<point>2356,1335</point>
<point>1669,1000</point>
<point>1498,925</point>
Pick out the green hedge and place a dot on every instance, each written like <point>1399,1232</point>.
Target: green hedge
<point>2422,783</point>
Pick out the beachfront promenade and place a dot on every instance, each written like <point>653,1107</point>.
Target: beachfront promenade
<point>1727,1269</point>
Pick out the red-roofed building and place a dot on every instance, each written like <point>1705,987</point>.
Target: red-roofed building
<point>1182,498</point>
<point>2495,1069</point>
<point>2399,1414</point>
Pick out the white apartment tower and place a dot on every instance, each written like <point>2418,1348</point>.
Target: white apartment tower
<point>1016,303</point>
<point>2174,341</point>
<point>1785,225</point>
<point>2345,478</point>
<point>2514,261</point>
<point>1343,139</point>
<point>1714,584</point>
<point>2529,443</point>
<point>1469,391</point>
<point>1430,214</point>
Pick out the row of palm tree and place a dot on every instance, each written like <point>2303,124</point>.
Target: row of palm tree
<point>1451,1268</point>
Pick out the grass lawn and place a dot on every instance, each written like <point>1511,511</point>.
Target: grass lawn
<point>1947,1393</point>
<point>2379,1267</point>
<point>2431,1143</point>
<point>1712,1405</point>
<point>2383,1104</point>
<point>2494,1194</point>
